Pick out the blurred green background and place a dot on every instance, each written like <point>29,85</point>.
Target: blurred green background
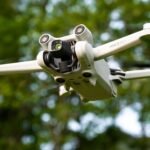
<point>33,116</point>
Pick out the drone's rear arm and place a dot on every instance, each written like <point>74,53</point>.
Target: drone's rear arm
<point>137,74</point>
<point>20,67</point>
<point>119,75</point>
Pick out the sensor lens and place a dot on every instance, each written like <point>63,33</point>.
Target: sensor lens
<point>87,74</point>
<point>79,29</point>
<point>44,38</point>
<point>60,80</point>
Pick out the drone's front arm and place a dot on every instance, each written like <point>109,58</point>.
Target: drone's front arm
<point>122,43</point>
<point>20,67</point>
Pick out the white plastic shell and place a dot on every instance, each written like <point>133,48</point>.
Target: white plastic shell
<point>82,33</point>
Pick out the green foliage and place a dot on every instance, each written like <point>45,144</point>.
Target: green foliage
<point>32,115</point>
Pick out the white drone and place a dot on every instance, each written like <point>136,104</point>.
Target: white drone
<point>78,66</point>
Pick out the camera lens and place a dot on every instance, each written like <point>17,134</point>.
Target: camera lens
<point>57,45</point>
<point>60,80</point>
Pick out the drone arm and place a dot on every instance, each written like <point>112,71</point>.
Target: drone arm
<point>20,67</point>
<point>136,74</point>
<point>120,44</point>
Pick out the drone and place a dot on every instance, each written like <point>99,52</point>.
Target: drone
<point>76,65</point>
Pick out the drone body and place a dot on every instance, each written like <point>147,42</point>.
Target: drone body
<point>77,66</point>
